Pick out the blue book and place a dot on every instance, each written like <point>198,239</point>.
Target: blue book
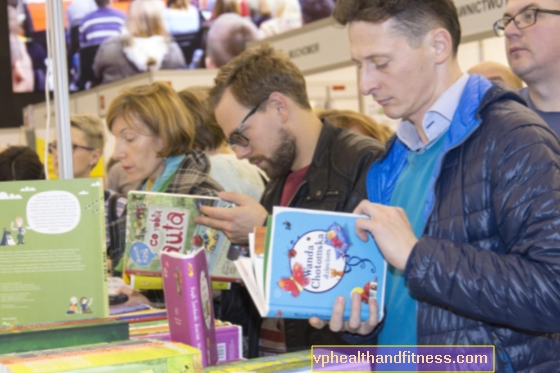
<point>309,258</point>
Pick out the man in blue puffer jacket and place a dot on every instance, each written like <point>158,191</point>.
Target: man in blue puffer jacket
<point>465,205</point>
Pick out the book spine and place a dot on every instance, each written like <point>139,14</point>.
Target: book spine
<point>137,272</point>
<point>224,279</point>
<point>64,337</point>
<point>104,266</point>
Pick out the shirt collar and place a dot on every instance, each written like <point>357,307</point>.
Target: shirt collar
<point>437,120</point>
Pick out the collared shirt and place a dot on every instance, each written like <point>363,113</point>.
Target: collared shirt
<point>436,121</point>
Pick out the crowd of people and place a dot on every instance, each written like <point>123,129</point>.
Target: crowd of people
<point>108,40</point>
<point>463,200</point>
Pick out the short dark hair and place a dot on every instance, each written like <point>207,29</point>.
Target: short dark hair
<point>414,17</point>
<point>20,163</point>
<point>102,3</point>
<point>258,72</point>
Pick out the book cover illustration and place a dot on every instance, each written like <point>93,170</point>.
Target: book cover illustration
<point>310,258</point>
<point>160,222</point>
<point>188,299</point>
<point>52,251</point>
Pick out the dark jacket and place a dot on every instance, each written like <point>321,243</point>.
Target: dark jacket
<point>335,181</point>
<point>486,270</point>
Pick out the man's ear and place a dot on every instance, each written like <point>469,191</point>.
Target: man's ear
<point>442,45</point>
<point>280,104</point>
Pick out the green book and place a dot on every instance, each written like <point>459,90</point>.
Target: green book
<point>62,334</point>
<point>52,251</point>
<point>300,360</point>
<point>160,222</point>
<point>123,357</point>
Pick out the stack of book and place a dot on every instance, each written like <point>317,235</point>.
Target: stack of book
<point>123,357</point>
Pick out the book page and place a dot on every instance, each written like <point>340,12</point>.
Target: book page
<point>52,251</point>
<point>244,267</point>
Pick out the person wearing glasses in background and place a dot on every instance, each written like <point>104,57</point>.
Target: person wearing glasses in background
<point>260,101</point>
<point>531,30</point>
<point>88,140</point>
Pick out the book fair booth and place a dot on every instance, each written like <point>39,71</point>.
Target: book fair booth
<point>321,51</point>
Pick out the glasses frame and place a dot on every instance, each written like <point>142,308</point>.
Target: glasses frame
<point>500,25</point>
<point>52,147</point>
<point>237,138</point>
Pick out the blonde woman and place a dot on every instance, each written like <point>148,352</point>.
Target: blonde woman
<point>144,46</point>
<point>154,136</point>
<point>286,16</point>
<point>182,18</point>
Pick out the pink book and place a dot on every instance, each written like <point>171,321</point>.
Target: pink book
<point>188,298</point>
<point>229,340</point>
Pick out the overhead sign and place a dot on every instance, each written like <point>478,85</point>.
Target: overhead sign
<point>477,17</point>
<point>319,46</point>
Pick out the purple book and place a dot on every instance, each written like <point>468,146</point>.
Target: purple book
<point>188,298</point>
<point>229,340</point>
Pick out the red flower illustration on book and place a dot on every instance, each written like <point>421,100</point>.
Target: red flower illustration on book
<point>295,283</point>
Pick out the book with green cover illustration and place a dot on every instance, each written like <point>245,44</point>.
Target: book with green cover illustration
<point>158,222</point>
<point>52,251</point>
<point>33,337</point>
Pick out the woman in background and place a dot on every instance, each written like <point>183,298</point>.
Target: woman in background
<point>182,18</point>
<point>225,6</point>
<point>87,134</point>
<point>144,46</point>
<point>154,136</point>
<point>358,123</point>
<point>236,175</point>
<point>20,163</point>
<point>286,16</point>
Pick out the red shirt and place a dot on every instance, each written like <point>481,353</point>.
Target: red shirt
<point>291,185</point>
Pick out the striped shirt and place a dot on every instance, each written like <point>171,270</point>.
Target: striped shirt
<point>100,25</point>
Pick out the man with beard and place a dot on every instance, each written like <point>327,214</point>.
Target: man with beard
<point>260,101</point>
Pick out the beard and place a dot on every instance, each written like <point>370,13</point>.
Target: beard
<point>280,163</point>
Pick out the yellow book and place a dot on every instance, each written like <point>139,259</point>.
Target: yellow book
<point>139,282</point>
<point>221,285</point>
<point>124,357</point>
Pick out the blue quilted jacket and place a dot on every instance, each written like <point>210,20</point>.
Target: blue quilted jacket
<point>486,270</point>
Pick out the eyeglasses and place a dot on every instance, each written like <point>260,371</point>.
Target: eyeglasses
<point>236,138</point>
<point>523,19</point>
<point>53,147</point>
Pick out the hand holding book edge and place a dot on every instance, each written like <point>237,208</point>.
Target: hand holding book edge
<point>236,222</point>
<point>391,230</point>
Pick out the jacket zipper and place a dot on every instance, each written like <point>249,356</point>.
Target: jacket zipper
<point>433,190</point>
<point>502,354</point>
